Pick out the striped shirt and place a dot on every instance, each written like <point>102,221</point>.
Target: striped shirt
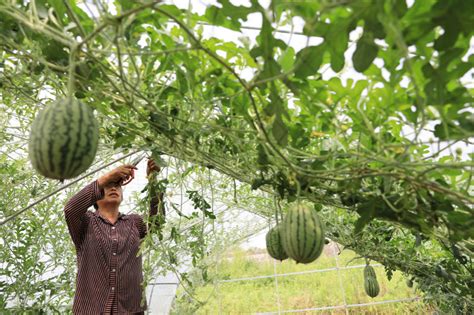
<point>109,272</point>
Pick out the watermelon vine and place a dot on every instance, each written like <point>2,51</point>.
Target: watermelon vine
<point>380,142</point>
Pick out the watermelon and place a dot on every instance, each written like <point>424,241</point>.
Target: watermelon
<point>302,234</point>
<point>63,139</point>
<point>369,272</point>
<point>273,242</point>
<point>370,282</point>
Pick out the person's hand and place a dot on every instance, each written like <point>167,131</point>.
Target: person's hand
<point>152,167</point>
<point>122,175</point>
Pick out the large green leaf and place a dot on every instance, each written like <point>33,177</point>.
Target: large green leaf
<point>308,60</point>
<point>365,53</point>
<point>227,15</point>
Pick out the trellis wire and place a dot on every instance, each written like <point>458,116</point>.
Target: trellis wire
<point>324,308</point>
<point>164,283</point>
<point>298,273</point>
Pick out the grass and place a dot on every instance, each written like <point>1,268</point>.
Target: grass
<point>311,290</point>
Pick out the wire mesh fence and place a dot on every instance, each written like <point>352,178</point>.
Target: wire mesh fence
<point>332,285</point>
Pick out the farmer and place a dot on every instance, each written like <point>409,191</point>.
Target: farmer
<point>109,273</point>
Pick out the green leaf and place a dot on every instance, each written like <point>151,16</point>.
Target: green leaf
<point>299,136</point>
<point>308,60</point>
<point>463,128</point>
<point>265,49</point>
<point>287,59</point>
<point>182,81</point>
<point>262,158</point>
<point>124,4</point>
<point>337,61</point>
<point>125,141</point>
<point>337,40</point>
<point>366,211</point>
<point>280,131</point>
<point>451,29</point>
<point>228,16</point>
<point>86,21</point>
<point>364,54</point>
<point>171,9</point>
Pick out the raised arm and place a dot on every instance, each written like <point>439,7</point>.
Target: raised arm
<point>76,208</point>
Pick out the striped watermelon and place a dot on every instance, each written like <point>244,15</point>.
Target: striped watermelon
<point>370,282</point>
<point>302,234</point>
<point>273,241</point>
<point>369,272</point>
<point>63,139</point>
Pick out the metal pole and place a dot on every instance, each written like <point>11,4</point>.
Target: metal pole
<point>276,286</point>
<point>340,282</point>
